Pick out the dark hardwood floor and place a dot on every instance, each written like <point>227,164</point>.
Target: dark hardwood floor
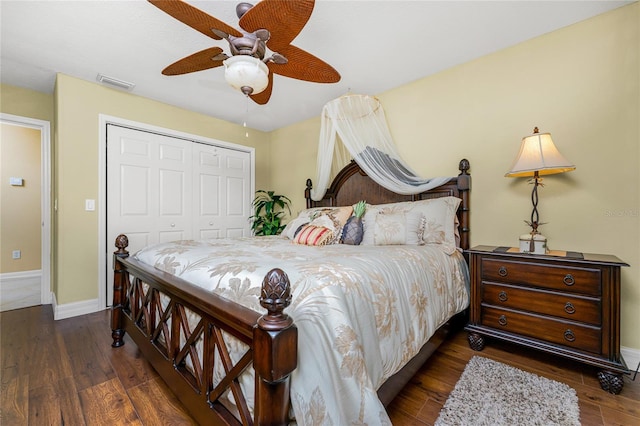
<point>66,373</point>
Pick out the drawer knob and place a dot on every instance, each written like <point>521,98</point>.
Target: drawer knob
<point>569,308</point>
<point>502,320</point>
<point>569,336</point>
<point>569,280</point>
<point>502,271</point>
<point>502,296</point>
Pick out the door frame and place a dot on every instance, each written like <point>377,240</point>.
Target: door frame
<point>45,195</point>
<point>106,248</point>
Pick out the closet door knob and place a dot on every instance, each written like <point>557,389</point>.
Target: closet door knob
<point>173,225</point>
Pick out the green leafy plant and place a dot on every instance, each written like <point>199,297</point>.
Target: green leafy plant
<point>269,208</point>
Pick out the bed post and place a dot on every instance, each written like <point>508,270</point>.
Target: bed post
<point>464,185</point>
<point>120,284</point>
<point>307,193</point>
<point>275,346</point>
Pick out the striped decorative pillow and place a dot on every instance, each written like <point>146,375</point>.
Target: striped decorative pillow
<point>312,235</point>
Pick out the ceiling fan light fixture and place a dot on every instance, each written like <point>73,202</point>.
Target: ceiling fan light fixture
<point>247,74</point>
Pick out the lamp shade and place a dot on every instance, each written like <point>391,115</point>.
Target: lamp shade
<point>538,154</point>
<point>245,73</point>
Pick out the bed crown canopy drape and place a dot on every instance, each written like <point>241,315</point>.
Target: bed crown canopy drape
<point>360,122</point>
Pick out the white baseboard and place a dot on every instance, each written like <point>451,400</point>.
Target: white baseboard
<point>74,309</point>
<point>47,296</point>
<point>20,289</point>
<point>631,357</point>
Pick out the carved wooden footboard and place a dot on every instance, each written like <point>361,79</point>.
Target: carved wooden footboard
<point>156,309</point>
<point>160,327</point>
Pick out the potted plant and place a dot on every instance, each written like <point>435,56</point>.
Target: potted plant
<point>268,208</point>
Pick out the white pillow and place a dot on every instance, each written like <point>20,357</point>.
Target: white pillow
<point>368,224</point>
<point>439,220</point>
<point>398,228</point>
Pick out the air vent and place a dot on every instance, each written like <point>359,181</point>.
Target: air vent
<point>115,82</point>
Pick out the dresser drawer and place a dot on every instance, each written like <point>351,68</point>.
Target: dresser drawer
<point>577,336</point>
<point>564,278</point>
<point>562,305</point>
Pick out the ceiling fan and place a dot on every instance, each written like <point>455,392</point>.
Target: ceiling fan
<point>271,24</point>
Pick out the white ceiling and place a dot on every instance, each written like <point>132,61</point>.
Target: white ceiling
<point>374,45</point>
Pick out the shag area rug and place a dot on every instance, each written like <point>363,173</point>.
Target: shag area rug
<point>492,393</point>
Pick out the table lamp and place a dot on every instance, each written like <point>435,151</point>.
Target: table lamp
<point>538,156</point>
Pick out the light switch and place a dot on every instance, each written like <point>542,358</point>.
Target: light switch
<point>16,254</point>
<point>15,181</point>
<point>89,205</point>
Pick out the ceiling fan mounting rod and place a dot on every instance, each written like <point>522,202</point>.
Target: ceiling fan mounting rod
<point>242,8</point>
<point>249,44</point>
<point>252,44</point>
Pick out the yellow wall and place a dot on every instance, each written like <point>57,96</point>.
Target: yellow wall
<point>296,144</point>
<point>20,205</point>
<point>78,104</point>
<point>581,84</point>
<point>26,103</point>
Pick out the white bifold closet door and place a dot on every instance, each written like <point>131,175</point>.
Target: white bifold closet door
<point>162,188</point>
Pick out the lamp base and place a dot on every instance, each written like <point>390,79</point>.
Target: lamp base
<point>533,243</point>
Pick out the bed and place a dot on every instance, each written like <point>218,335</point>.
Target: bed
<point>234,354</point>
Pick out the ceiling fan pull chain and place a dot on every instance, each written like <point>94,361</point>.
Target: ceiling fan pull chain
<point>246,116</point>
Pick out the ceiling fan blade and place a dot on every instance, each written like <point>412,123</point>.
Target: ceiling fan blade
<point>283,18</point>
<point>194,17</point>
<point>264,96</point>
<point>302,65</point>
<point>199,61</point>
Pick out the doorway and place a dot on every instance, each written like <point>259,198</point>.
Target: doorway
<point>25,169</point>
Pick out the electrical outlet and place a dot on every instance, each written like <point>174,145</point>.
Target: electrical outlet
<point>16,254</point>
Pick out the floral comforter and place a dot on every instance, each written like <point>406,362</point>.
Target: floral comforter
<point>361,311</point>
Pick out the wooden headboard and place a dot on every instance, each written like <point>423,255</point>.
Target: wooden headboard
<point>352,184</point>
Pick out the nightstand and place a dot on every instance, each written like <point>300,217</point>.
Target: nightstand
<point>567,305</point>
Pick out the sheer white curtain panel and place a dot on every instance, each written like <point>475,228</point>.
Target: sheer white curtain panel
<point>361,125</point>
